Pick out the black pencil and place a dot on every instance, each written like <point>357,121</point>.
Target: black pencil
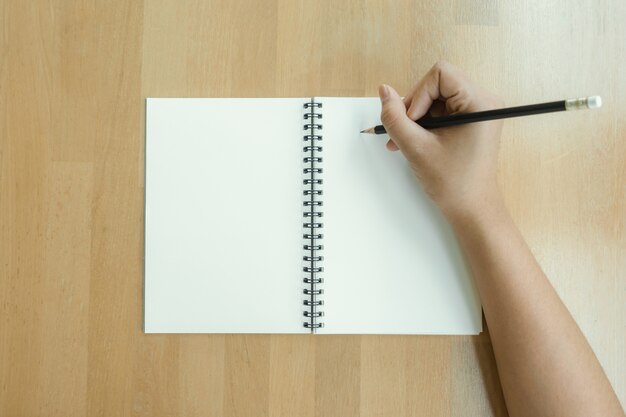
<point>592,102</point>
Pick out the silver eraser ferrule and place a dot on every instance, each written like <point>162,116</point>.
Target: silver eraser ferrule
<point>591,102</point>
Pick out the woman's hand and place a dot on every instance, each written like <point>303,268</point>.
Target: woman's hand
<point>455,165</point>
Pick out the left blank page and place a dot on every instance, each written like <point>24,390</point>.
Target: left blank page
<point>223,216</point>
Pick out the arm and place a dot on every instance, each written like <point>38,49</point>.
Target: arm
<point>546,366</point>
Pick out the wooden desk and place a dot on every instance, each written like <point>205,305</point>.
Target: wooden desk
<point>73,79</point>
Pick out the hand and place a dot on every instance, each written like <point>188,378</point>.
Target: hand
<point>455,165</point>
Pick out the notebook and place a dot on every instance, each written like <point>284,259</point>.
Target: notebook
<point>275,215</point>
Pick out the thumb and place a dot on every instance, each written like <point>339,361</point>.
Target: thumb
<point>402,130</point>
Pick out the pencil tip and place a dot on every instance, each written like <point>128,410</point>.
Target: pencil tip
<point>370,130</point>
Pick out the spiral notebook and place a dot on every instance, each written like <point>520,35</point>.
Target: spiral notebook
<point>277,216</point>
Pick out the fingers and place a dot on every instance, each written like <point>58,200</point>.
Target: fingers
<point>444,82</point>
<point>406,134</point>
<point>426,91</point>
<point>391,146</point>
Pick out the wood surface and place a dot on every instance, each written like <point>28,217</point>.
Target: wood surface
<point>73,79</point>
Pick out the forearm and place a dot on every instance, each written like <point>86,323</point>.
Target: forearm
<point>546,366</point>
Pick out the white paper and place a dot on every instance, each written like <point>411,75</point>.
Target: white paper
<point>391,263</point>
<point>223,216</point>
<point>223,248</point>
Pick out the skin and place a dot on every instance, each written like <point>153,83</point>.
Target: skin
<point>545,364</point>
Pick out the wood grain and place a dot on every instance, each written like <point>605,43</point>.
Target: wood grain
<point>73,79</point>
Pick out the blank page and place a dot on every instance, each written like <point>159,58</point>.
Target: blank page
<point>223,216</point>
<point>391,262</point>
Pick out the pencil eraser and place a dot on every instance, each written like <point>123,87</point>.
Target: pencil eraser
<point>594,102</point>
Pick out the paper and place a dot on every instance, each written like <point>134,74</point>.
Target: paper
<point>391,262</point>
<point>223,216</point>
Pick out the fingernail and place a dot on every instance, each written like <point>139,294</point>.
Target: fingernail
<point>383,92</point>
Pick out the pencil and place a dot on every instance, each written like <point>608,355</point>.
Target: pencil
<point>591,102</point>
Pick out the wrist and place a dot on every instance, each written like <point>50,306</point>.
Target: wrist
<point>477,208</point>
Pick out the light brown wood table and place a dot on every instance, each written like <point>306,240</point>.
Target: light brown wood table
<point>73,79</point>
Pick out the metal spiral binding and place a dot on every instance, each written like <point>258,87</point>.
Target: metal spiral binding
<point>312,216</point>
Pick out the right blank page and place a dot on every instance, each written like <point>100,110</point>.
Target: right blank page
<point>391,262</point>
